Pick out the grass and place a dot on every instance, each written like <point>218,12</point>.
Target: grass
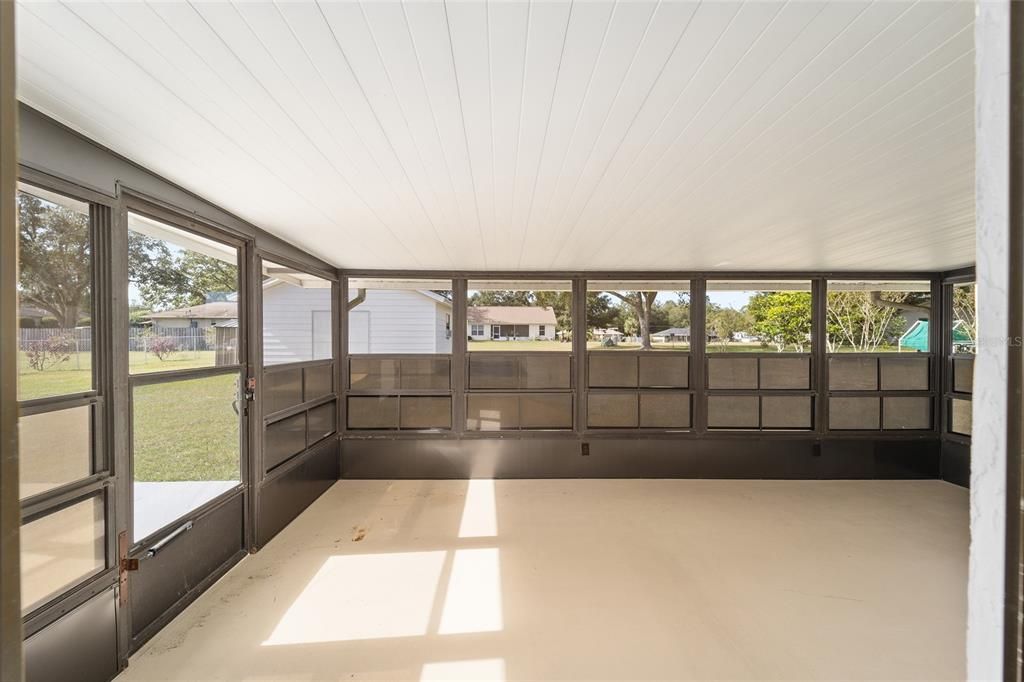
<point>75,374</point>
<point>526,344</point>
<point>186,430</point>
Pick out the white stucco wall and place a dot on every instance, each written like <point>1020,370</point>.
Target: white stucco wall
<point>988,450</point>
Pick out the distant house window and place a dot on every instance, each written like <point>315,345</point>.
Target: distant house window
<point>476,330</point>
<point>447,326</point>
<point>542,330</point>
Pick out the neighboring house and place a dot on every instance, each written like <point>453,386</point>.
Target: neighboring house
<point>194,317</point>
<point>682,335</point>
<point>672,335</point>
<point>612,333</point>
<point>400,321</point>
<point>507,323</point>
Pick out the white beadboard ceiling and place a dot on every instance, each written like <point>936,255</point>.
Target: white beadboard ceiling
<point>545,135</point>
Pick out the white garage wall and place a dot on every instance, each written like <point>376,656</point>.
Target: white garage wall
<point>397,321</point>
<point>294,328</point>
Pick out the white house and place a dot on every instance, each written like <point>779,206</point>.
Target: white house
<point>504,323</point>
<point>199,316</point>
<point>296,323</point>
<point>400,321</point>
<point>612,333</point>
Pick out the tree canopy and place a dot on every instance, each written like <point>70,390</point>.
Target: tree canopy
<point>782,318</point>
<point>55,259</point>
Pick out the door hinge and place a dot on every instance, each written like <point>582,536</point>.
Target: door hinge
<point>124,565</point>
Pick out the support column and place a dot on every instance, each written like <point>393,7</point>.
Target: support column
<point>994,459</point>
<point>10,509</point>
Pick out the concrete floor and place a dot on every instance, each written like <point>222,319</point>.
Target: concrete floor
<point>591,579</point>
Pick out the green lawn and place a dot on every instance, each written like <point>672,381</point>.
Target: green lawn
<point>524,344</point>
<point>75,374</point>
<point>596,345</point>
<point>186,430</point>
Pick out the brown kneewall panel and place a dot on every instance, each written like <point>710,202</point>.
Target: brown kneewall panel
<point>613,410</point>
<point>372,412</point>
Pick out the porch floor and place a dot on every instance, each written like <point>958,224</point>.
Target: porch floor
<point>591,579</point>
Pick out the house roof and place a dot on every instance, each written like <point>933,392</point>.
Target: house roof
<point>218,310</point>
<point>674,331</point>
<point>501,314</point>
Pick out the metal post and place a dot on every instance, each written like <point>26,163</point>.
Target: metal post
<point>579,351</point>
<point>10,509</point>
<point>698,352</point>
<point>460,358</point>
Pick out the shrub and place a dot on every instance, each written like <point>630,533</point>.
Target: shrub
<point>161,346</point>
<point>49,352</point>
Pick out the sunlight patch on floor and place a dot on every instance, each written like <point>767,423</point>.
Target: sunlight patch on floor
<point>473,601</point>
<point>365,596</point>
<point>479,516</point>
<point>484,669</point>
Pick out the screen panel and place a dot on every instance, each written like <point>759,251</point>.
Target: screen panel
<point>638,315</point>
<point>321,422</point>
<point>853,413</point>
<point>964,328</point>
<point>665,410</point>
<point>907,413</point>
<point>664,370</point>
<point>905,374</point>
<point>732,373</point>
<point>298,309</point>
<point>961,417</point>
<point>54,448</point>
<point>282,389</point>
<point>55,294</point>
<point>374,374</point>
<point>852,373</point>
<point>545,371</point>
<point>613,410</point>
<point>184,294</point>
<point>545,410</point>
<point>426,373</point>
<point>425,412</point>
<point>519,315</point>
<point>372,412</point>
<point>611,370</point>
<point>60,550</point>
<point>963,375</point>
<point>318,381</point>
<point>492,412</point>
<point>785,373</point>
<point>786,412</point>
<point>878,316</point>
<point>493,371</point>
<point>733,412</point>
<point>186,447</point>
<point>399,316</point>
<point>283,440</point>
<point>761,315</point>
